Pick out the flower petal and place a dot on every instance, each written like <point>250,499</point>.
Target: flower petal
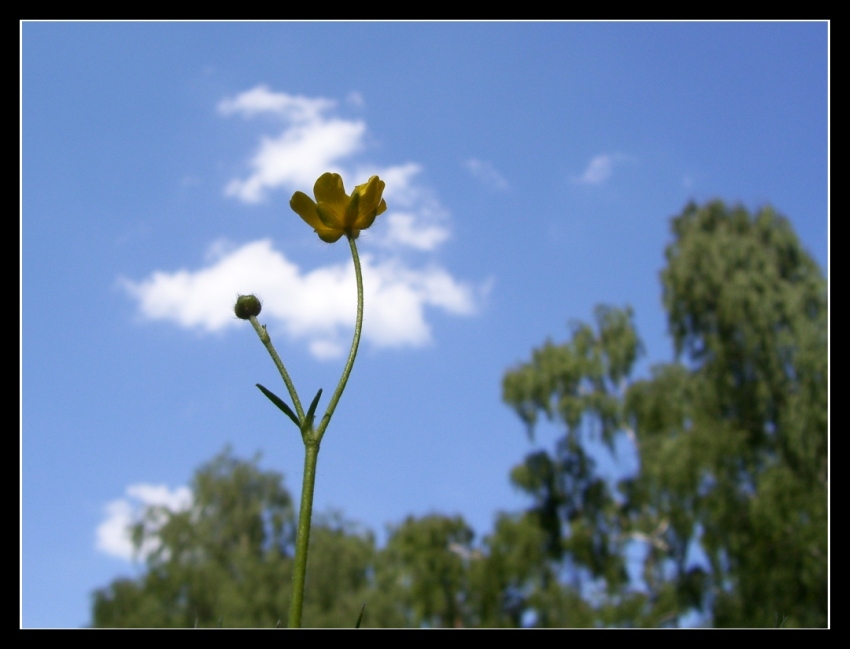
<point>329,236</point>
<point>328,218</point>
<point>370,201</point>
<point>370,193</point>
<point>304,207</point>
<point>366,220</point>
<point>330,190</point>
<point>352,212</point>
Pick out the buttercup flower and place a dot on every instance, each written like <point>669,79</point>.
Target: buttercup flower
<point>335,213</point>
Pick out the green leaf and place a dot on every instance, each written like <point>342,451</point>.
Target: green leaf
<point>311,412</point>
<point>276,400</point>
<point>362,608</point>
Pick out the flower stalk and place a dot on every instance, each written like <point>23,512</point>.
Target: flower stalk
<point>332,215</point>
<point>312,439</point>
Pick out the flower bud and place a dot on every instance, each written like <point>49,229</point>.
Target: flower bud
<point>247,306</point>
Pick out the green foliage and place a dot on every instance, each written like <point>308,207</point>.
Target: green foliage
<point>515,575</point>
<point>424,559</point>
<point>228,560</point>
<point>223,560</point>
<point>740,453</point>
<point>338,580</point>
<point>732,440</point>
<point>581,384</point>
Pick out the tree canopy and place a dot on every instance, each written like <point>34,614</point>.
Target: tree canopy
<point>725,519</point>
<point>733,441</point>
<point>731,436</point>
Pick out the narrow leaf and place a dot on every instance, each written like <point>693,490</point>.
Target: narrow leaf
<point>276,400</point>
<point>311,412</point>
<point>359,617</point>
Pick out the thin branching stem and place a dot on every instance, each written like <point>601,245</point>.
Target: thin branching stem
<point>267,341</point>
<point>312,439</point>
<point>355,343</point>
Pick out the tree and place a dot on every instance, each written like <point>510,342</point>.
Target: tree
<point>731,437</point>
<point>582,519</point>
<point>515,582</point>
<point>742,456</point>
<point>227,561</point>
<point>426,563</point>
<point>340,579</point>
<point>220,562</point>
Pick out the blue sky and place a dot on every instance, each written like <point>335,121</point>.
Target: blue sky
<point>531,173</point>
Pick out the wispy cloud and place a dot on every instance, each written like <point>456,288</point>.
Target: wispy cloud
<point>317,306</point>
<point>293,108</point>
<point>313,141</point>
<point>355,99</point>
<point>487,174</point>
<point>310,143</point>
<point>406,229</point>
<point>599,169</point>
<point>113,535</point>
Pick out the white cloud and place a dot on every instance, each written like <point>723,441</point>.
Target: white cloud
<point>422,223</point>
<point>113,534</point>
<point>318,306</point>
<point>313,142</point>
<point>402,189</point>
<point>297,157</point>
<point>310,144</point>
<point>294,108</point>
<point>599,169</point>
<point>487,174</point>
<point>405,229</point>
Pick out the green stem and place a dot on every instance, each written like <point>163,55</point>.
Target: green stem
<point>302,541</point>
<point>358,326</point>
<point>267,341</point>
<point>312,439</point>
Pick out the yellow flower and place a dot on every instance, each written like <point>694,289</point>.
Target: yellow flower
<point>335,213</point>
